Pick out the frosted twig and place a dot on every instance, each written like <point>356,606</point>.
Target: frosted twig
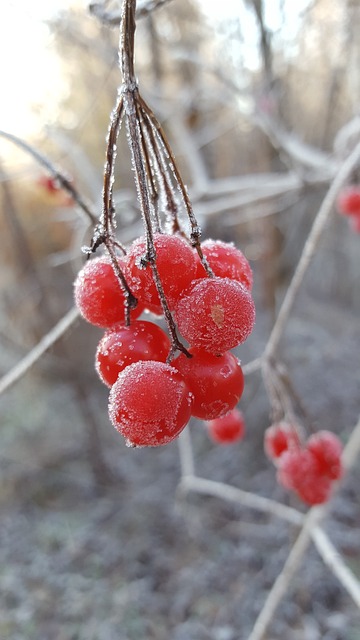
<point>284,579</point>
<point>252,366</point>
<point>43,345</point>
<point>334,561</point>
<point>309,250</point>
<point>186,454</point>
<point>245,498</point>
<point>54,171</point>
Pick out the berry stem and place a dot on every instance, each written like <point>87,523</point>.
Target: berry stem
<point>131,99</point>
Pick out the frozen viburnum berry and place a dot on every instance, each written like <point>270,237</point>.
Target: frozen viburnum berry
<point>176,265</point>
<point>348,201</point>
<point>217,382</point>
<point>121,346</point>
<point>215,314</point>
<point>99,295</point>
<point>150,404</point>
<point>228,429</point>
<point>298,471</point>
<point>279,438</point>
<point>226,261</point>
<point>326,449</point>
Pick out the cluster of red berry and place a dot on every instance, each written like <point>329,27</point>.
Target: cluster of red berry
<point>348,204</point>
<point>308,469</point>
<point>152,400</point>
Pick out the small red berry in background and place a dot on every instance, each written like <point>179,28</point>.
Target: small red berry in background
<point>122,346</point>
<point>176,265</point>
<point>227,429</point>
<point>99,295</point>
<point>217,382</point>
<point>298,471</point>
<point>326,449</point>
<point>53,189</point>
<point>215,314</point>
<point>150,404</point>
<point>348,201</point>
<point>226,261</point>
<point>279,438</point>
<point>311,469</point>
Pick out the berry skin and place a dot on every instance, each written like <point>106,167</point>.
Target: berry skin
<point>348,202</point>
<point>228,429</point>
<point>121,346</point>
<point>215,314</point>
<point>149,404</point>
<point>176,265</point>
<point>99,296</point>
<point>216,382</point>
<point>280,438</point>
<point>226,261</point>
<point>298,470</point>
<point>326,449</point>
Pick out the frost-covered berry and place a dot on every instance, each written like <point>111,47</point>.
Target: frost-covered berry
<point>99,295</point>
<point>298,471</point>
<point>279,438</point>
<point>226,261</point>
<point>217,382</point>
<point>215,314</point>
<point>121,346</point>
<point>228,429</point>
<point>176,265</point>
<point>150,404</point>
<point>326,448</point>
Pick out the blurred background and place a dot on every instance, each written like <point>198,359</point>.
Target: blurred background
<point>260,102</point>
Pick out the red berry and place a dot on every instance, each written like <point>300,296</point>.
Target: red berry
<point>215,314</point>
<point>348,202</point>
<point>279,438</point>
<point>326,448</point>
<point>217,382</point>
<point>121,346</point>
<point>176,265</point>
<point>298,471</point>
<point>226,261</point>
<point>149,404</point>
<point>228,429</point>
<point>99,295</point>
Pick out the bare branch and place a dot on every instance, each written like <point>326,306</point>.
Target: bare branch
<point>309,251</point>
<point>43,345</point>
<point>245,498</point>
<point>54,171</point>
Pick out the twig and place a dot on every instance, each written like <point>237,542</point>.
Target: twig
<point>282,582</point>
<point>309,251</point>
<point>245,498</point>
<point>113,18</point>
<point>186,454</point>
<point>54,171</point>
<point>336,564</point>
<point>43,345</point>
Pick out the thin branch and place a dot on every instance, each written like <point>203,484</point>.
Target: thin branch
<point>284,579</point>
<point>186,453</point>
<point>113,18</point>
<point>309,250</point>
<point>245,498</point>
<point>54,171</point>
<point>336,564</point>
<point>19,370</point>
